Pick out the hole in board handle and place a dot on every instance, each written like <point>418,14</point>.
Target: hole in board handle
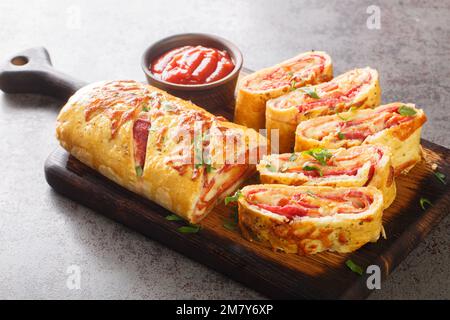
<point>19,61</point>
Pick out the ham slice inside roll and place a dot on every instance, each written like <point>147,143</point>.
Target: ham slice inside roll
<point>308,203</point>
<point>310,219</point>
<point>305,69</point>
<point>140,136</point>
<point>358,88</point>
<point>335,162</point>
<point>396,125</point>
<point>365,165</point>
<point>256,89</point>
<point>357,126</point>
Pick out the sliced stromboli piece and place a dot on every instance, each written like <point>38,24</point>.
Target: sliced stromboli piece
<point>157,145</point>
<point>360,166</point>
<point>256,88</point>
<point>310,219</point>
<point>355,89</point>
<point>395,125</point>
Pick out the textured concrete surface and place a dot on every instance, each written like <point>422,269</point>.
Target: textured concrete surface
<point>42,233</point>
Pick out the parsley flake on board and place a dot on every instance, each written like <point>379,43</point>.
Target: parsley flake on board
<point>231,223</point>
<point>189,229</point>
<point>441,177</point>
<point>354,267</point>
<point>424,202</point>
<point>174,217</point>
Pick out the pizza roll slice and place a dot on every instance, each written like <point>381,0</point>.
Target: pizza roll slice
<point>355,89</point>
<point>395,125</point>
<point>309,219</point>
<point>255,89</point>
<point>359,166</point>
<point>164,148</point>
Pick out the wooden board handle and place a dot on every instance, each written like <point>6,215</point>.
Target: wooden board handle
<point>31,71</point>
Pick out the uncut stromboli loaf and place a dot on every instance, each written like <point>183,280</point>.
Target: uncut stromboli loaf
<point>146,140</point>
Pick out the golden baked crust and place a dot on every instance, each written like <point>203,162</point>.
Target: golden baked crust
<point>334,230</point>
<point>359,166</point>
<point>383,125</point>
<point>356,89</point>
<point>145,140</point>
<point>256,88</point>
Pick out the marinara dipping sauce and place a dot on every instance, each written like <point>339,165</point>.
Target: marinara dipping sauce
<point>192,65</point>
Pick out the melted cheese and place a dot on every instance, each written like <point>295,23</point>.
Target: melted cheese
<point>339,94</point>
<point>342,164</point>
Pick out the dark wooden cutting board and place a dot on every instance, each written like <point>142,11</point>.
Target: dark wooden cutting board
<point>275,274</point>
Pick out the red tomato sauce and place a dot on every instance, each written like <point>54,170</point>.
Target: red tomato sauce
<point>192,65</point>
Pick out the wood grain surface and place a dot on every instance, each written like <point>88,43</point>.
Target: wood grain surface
<point>275,274</point>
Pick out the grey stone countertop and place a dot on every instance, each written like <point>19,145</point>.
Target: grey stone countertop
<point>43,233</point>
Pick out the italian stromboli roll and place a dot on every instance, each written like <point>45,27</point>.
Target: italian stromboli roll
<point>358,88</point>
<point>309,219</point>
<point>256,88</point>
<point>396,125</point>
<point>159,146</point>
<point>365,165</point>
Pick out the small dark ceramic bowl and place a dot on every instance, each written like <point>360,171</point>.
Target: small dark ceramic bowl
<point>215,96</point>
